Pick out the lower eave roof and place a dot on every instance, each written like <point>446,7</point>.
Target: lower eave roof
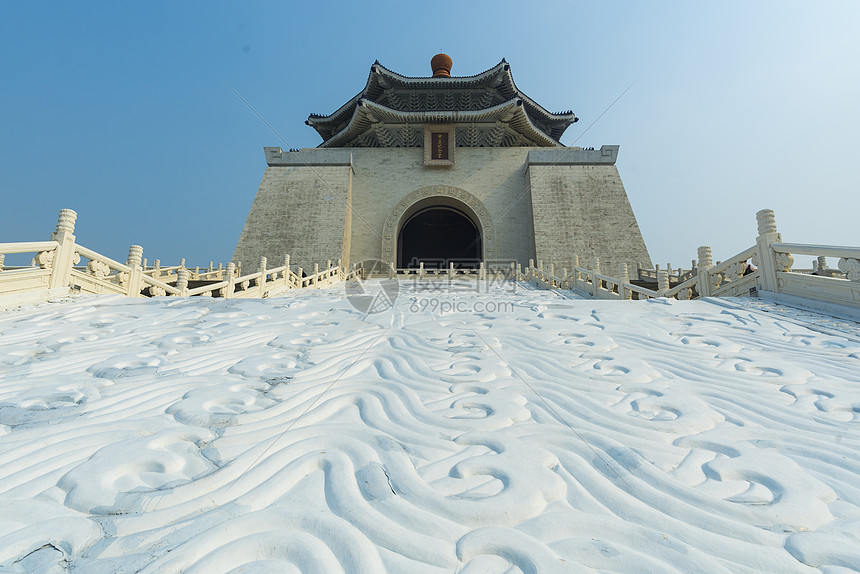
<point>368,112</point>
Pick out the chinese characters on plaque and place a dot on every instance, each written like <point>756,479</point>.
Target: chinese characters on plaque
<point>440,145</point>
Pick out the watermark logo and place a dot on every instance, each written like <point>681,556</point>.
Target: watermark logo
<point>371,296</point>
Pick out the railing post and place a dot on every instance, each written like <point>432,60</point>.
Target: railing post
<point>182,282</point>
<point>300,274</point>
<point>530,270</point>
<point>703,265</point>
<point>481,271</point>
<point>227,292</point>
<point>768,261</point>
<point>2,259</point>
<point>64,256</point>
<point>421,270</point>
<point>314,276</point>
<point>135,277</point>
<point>392,271</point>
<point>821,265</point>
<point>519,275</point>
<point>450,270</point>
<point>182,263</point>
<point>156,273</point>
<point>595,282</point>
<point>624,277</point>
<point>261,282</point>
<point>662,282</point>
<point>287,270</point>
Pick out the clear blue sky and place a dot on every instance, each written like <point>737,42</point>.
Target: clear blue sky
<point>121,110</point>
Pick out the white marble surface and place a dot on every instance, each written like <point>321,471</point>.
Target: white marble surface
<point>543,435</point>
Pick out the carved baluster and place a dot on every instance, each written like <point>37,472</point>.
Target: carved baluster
<point>314,276</point>
<point>44,259</point>
<point>157,272</point>
<point>595,282</point>
<point>770,262</point>
<point>662,282</point>
<point>182,282</point>
<point>624,275</point>
<point>851,267</point>
<point>301,279</point>
<point>530,270</point>
<point>135,277</point>
<point>98,269</point>
<point>261,282</point>
<point>63,257</point>
<point>287,269</point>
<point>228,290</point>
<point>821,265</point>
<point>702,269</point>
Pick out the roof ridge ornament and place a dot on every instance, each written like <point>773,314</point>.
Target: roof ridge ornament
<point>441,65</point>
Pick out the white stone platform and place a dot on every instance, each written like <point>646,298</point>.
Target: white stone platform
<point>541,434</point>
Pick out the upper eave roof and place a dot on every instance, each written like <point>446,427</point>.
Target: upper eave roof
<point>499,77</point>
<point>368,112</point>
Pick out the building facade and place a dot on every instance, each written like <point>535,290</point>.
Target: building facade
<point>442,170</point>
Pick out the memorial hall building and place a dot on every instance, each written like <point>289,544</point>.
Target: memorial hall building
<point>440,170</point>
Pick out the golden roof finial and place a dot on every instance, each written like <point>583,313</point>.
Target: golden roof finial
<point>441,66</point>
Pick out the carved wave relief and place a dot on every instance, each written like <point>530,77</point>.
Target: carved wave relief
<point>509,430</point>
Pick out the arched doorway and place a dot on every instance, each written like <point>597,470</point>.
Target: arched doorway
<point>439,235</point>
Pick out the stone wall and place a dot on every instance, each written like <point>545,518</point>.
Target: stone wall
<point>541,203</point>
<point>581,207</point>
<point>300,211</point>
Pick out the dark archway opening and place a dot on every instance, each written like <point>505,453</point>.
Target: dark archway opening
<point>439,236</point>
